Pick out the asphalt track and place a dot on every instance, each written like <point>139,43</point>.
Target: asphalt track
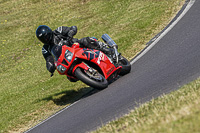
<point>172,60</point>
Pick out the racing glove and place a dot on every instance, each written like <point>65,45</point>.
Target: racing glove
<point>72,31</point>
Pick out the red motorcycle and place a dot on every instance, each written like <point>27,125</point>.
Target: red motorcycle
<point>91,66</point>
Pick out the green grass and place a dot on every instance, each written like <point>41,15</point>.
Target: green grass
<point>177,112</point>
<point>27,93</point>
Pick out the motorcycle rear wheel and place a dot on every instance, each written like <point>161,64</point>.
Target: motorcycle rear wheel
<point>97,81</point>
<point>126,66</point>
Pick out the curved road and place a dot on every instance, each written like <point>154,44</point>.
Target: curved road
<point>173,61</point>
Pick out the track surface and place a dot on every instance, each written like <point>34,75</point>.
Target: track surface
<point>171,63</point>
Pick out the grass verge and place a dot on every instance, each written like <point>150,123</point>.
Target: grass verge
<point>27,93</point>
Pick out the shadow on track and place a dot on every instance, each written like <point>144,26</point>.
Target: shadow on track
<point>71,96</point>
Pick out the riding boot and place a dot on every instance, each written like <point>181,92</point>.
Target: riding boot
<point>103,47</point>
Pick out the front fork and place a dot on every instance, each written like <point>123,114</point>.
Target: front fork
<point>116,54</point>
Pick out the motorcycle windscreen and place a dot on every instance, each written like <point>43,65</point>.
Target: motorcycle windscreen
<point>106,38</point>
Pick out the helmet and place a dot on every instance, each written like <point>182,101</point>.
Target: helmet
<point>44,33</point>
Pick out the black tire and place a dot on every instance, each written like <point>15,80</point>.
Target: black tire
<point>126,66</point>
<point>82,75</point>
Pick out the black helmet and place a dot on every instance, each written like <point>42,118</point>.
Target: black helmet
<point>44,33</point>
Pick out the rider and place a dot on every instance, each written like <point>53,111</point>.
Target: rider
<point>64,36</point>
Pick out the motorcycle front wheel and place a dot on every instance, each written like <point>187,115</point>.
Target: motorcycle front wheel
<point>95,80</point>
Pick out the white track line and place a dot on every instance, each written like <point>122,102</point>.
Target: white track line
<point>189,5</point>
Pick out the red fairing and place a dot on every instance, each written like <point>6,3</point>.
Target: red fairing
<point>105,64</point>
<point>74,57</point>
<point>76,45</point>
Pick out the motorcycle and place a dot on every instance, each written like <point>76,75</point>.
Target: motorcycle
<point>91,66</point>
